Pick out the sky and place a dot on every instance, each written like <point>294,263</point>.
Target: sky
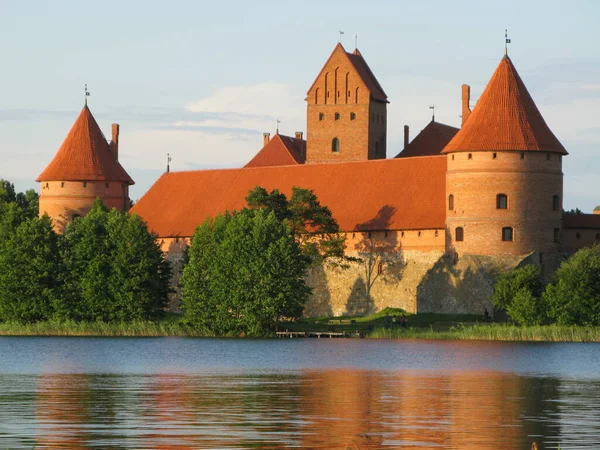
<point>203,80</point>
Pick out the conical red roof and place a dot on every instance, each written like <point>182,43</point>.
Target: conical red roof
<point>505,118</point>
<point>84,155</point>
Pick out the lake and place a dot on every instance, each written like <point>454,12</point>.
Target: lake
<point>298,393</point>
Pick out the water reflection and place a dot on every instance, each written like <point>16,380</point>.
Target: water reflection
<point>334,409</point>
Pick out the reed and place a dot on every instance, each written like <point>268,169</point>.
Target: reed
<point>496,332</point>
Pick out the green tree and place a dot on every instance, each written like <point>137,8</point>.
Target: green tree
<point>114,269</point>
<point>573,298</point>
<point>520,293</point>
<point>313,225</point>
<point>27,201</point>
<point>29,272</point>
<point>245,272</point>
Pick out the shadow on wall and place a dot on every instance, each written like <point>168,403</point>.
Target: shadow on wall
<point>319,303</point>
<point>378,258</point>
<point>462,285</point>
<point>175,254</point>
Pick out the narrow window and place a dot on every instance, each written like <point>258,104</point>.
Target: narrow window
<point>379,268</point>
<point>522,155</point>
<point>402,234</point>
<point>339,94</point>
<point>356,98</point>
<point>386,234</point>
<point>335,145</point>
<point>107,185</point>
<point>459,234</point>
<point>451,202</point>
<point>501,201</point>
<point>62,184</point>
<point>555,202</point>
<point>316,96</point>
<point>452,157</point>
<point>548,157</point>
<point>419,234</point>
<point>556,235</point>
<point>85,184</point>
<point>470,156</point>
<point>352,116</point>
<point>578,235</point>
<point>47,186</point>
<point>369,235</point>
<point>507,234</point>
<point>321,116</point>
<point>436,233</point>
<point>337,116</point>
<point>495,156</point>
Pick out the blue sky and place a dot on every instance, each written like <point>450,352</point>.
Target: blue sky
<point>203,80</point>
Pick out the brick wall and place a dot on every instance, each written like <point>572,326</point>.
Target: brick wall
<point>61,200</point>
<point>530,182</point>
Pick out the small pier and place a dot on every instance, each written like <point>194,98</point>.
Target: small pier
<point>317,334</point>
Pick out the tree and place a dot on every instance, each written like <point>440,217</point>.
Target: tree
<point>245,273</point>
<point>573,298</point>
<point>29,284</point>
<point>115,270</point>
<point>520,293</point>
<point>312,224</point>
<point>27,201</point>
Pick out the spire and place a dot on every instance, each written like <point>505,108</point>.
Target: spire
<point>84,155</point>
<point>505,118</point>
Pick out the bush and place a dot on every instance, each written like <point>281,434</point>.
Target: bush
<point>245,273</point>
<point>520,293</point>
<point>573,298</point>
<point>526,309</point>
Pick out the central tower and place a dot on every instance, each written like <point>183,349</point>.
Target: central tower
<point>346,111</point>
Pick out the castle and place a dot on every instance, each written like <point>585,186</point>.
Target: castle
<point>431,226</point>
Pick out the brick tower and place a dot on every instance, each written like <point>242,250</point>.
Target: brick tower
<point>504,182</point>
<point>346,111</point>
<point>85,167</point>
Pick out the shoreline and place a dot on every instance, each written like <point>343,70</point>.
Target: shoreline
<point>474,332</point>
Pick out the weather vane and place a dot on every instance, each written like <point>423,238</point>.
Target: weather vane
<point>87,94</point>
<point>277,128</point>
<point>341,32</point>
<point>356,41</point>
<point>506,42</point>
<point>168,162</point>
<point>432,107</point>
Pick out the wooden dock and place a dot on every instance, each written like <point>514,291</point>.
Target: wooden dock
<point>316,334</point>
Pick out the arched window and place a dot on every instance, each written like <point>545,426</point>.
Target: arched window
<point>555,202</point>
<point>326,86</point>
<point>337,116</point>
<point>379,268</point>
<point>556,235</point>
<point>352,116</point>
<point>316,96</point>
<point>470,156</point>
<point>459,234</point>
<point>501,201</point>
<point>451,202</point>
<point>335,145</point>
<point>507,234</point>
<point>321,116</point>
<point>356,97</point>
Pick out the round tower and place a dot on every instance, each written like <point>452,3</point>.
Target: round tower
<point>504,182</point>
<point>85,168</point>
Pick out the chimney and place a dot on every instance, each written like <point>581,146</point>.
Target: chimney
<point>299,135</point>
<point>466,98</point>
<point>114,143</point>
<point>405,136</point>
<point>266,137</point>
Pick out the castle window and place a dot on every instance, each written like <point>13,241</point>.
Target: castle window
<point>321,116</point>
<point>556,235</point>
<point>107,185</point>
<point>47,186</point>
<point>337,116</point>
<point>452,157</point>
<point>85,184</point>
<point>419,234</point>
<point>62,184</point>
<point>436,233</point>
<point>379,268</point>
<point>451,202</point>
<point>339,94</point>
<point>495,156</point>
<point>555,202</point>
<point>522,155</point>
<point>501,201</point>
<point>578,235</point>
<point>369,235</point>
<point>548,157</point>
<point>459,234</point>
<point>356,98</point>
<point>386,234</point>
<point>352,116</point>
<point>335,145</point>
<point>507,234</point>
<point>470,156</point>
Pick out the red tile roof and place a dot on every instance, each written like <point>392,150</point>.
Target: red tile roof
<point>430,141</point>
<point>84,155</point>
<point>280,151</point>
<point>366,195</point>
<point>363,71</point>
<point>505,118</point>
<point>581,221</point>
